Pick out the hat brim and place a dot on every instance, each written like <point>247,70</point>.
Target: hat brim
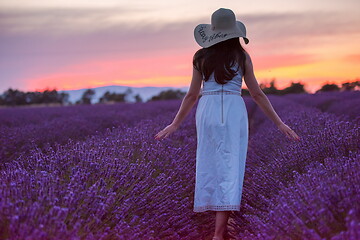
<point>206,37</point>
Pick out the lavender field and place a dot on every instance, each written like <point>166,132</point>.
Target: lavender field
<point>95,172</point>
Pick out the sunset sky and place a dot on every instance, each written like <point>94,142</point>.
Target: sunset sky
<point>82,44</point>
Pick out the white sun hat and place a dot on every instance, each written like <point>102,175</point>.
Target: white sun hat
<point>223,27</point>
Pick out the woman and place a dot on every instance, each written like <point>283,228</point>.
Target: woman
<point>221,115</point>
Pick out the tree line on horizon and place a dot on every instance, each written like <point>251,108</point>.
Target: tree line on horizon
<point>14,97</point>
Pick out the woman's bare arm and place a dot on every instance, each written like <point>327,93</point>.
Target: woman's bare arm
<point>262,100</point>
<point>190,98</point>
<point>186,105</point>
<point>257,94</point>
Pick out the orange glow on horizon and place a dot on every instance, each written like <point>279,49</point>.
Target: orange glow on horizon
<point>175,71</point>
<point>184,81</point>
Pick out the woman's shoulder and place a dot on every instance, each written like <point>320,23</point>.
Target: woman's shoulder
<point>247,55</point>
<point>248,61</point>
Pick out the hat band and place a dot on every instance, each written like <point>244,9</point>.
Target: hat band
<point>220,35</point>
<point>214,36</point>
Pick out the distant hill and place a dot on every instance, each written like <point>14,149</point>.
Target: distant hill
<point>145,92</point>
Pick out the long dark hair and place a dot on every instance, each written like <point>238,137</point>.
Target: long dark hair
<point>220,58</point>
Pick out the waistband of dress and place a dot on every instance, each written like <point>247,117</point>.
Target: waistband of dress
<point>220,92</point>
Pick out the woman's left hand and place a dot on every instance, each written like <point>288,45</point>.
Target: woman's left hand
<point>165,132</point>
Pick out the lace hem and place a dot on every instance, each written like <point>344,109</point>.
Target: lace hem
<point>217,208</point>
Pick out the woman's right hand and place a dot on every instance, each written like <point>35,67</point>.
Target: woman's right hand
<point>166,132</point>
<point>288,132</point>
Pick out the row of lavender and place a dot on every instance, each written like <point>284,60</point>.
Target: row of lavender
<point>22,129</point>
<point>122,184</point>
<point>306,189</point>
<point>345,104</point>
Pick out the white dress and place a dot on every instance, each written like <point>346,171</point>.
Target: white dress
<point>222,141</point>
